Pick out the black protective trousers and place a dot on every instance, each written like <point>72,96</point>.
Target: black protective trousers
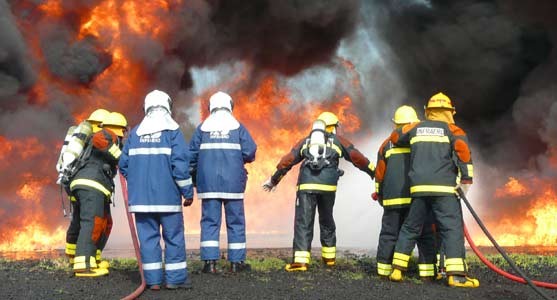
<point>391,223</point>
<point>72,233</point>
<point>92,222</point>
<point>448,215</point>
<point>306,202</point>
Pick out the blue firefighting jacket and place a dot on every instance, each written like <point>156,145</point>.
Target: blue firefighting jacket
<point>218,158</point>
<point>156,168</point>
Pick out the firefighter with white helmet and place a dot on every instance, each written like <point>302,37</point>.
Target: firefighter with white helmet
<point>439,153</point>
<point>92,186</point>
<point>220,148</point>
<point>317,184</point>
<point>155,163</point>
<point>392,190</point>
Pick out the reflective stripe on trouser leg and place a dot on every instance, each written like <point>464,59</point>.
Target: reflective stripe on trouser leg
<point>390,226</point>
<point>303,223</point>
<point>400,261</point>
<point>91,223</point>
<point>426,270</point>
<point>455,266</point>
<point>302,257</point>
<point>211,216</point>
<point>148,232</point>
<point>70,249</point>
<point>327,227</point>
<point>384,269</point>
<point>175,248</point>
<point>236,229</point>
<point>328,252</point>
<point>448,214</point>
<point>83,263</point>
<point>409,232</point>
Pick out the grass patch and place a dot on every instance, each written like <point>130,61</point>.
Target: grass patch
<point>266,264</point>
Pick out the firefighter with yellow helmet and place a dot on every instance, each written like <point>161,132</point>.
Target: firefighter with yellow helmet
<point>77,139</point>
<point>439,151</point>
<point>392,190</point>
<point>92,186</point>
<point>319,154</point>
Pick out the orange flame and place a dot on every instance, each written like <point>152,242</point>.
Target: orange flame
<point>535,226</point>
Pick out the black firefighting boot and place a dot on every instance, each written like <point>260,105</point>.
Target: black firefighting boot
<point>210,267</point>
<point>237,267</point>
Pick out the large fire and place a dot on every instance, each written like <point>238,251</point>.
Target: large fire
<point>275,118</point>
<point>531,225</point>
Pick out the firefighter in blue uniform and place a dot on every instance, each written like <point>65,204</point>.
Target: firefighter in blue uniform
<point>392,190</point>
<point>155,163</point>
<point>317,183</point>
<point>219,149</point>
<point>92,186</point>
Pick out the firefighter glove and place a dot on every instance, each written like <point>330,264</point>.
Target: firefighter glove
<point>464,187</point>
<point>375,196</point>
<point>268,186</point>
<point>188,202</point>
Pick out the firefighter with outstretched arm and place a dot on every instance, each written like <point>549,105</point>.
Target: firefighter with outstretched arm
<point>319,154</point>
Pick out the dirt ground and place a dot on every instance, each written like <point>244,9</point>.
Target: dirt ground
<point>353,278</point>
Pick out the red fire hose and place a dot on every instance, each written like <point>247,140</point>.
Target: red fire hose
<point>500,271</point>
<point>141,288</point>
<point>523,277</point>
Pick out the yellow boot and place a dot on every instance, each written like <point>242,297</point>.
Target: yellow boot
<point>329,262</point>
<point>104,264</point>
<point>296,267</point>
<point>396,275</point>
<point>92,273</point>
<point>463,281</point>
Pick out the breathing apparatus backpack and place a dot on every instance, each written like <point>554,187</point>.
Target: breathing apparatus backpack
<point>75,151</point>
<point>319,147</point>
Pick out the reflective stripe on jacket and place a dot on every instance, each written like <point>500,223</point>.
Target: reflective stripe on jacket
<point>99,168</point>
<point>156,168</point>
<point>439,151</point>
<point>326,179</point>
<point>218,158</point>
<point>391,175</point>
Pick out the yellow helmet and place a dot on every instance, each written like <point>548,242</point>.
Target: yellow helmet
<point>404,115</point>
<point>440,100</point>
<point>329,118</point>
<point>98,115</point>
<point>116,122</point>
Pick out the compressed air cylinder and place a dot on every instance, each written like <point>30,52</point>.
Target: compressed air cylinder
<point>317,144</point>
<point>76,144</point>
<point>64,146</point>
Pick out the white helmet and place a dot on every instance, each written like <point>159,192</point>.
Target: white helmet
<point>220,100</point>
<point>158,98</point>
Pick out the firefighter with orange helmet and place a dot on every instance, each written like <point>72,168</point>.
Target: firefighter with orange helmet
<point>392,190</point>
<point>319,154</point>
<point>78,139</point>
<point>92,186</point>
<point>439,153</point>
